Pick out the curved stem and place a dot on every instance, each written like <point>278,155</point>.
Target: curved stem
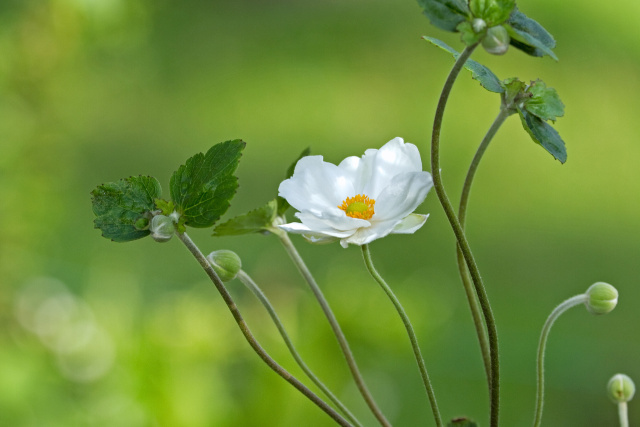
<point>366,253</point>
<point>494,384</point>
<point>342,341</point>
<point>571,302</point>
<point>623,415</point>
<point>195,251</point>
<point>462,267</point>
<point>253,287</point>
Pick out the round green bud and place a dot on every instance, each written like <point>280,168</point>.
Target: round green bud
<point>162,228</point>
<point>601,298</point>
<point>478,25</point>
<point>225,263</point>
<point>621,388</point>
<point>142,223</point>
<point>496,41</point>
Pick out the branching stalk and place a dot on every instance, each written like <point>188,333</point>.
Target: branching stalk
<point>202,260</point>
<point>494,384</point>
<point>342,341</point>
<point>366,253</point>
<point>253,287</point>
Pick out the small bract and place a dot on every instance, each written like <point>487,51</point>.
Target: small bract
<point>361,199</point>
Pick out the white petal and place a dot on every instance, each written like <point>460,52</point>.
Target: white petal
<point>298,228</point>
<point>410,224</point>
<point>402,196</point>
<point>316,186</point>
<point>311,236</point>
<point>367,235</point>
<point>319,240</point>
<point>378,167</point>
<point>338,224</point>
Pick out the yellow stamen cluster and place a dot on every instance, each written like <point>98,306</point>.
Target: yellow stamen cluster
<point>359,206</point>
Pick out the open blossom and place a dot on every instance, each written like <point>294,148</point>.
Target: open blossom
<point>361,199</point>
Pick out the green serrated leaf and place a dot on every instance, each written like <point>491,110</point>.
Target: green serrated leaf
<point>462,422</point>
<point>445,14</point>
<point>254,221</point>
<point>202,188</point>
<point>545,135</point>
<point>283,205</point>
<point>119,205</point>
<point>493,12</point>
<point>482,74</point>
<point>544,102</point>
<point>529,36</point>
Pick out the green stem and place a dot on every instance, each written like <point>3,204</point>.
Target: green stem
<point>494,384</point>
<point>253,287</point>
<point>366,253</point>
<point>623,415</point>
<point>202,260</point>
<point>342,341</point>
<point>462,267</point>
<point>571,302</point>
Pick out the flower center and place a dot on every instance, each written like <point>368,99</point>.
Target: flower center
<point>359,206</point>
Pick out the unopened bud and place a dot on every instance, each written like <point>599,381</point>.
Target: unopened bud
<point>142,223</point>
<point>496,41</point>
<point>162,228</point>
<point>601,298</point>
<point>620,388</point>
<point>478,25</point>
<point>225,263</point>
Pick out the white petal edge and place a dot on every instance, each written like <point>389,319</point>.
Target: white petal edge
<point>299,228</point>
<point>410,224</point>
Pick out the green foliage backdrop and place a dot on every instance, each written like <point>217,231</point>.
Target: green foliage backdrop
<point>98,333</point>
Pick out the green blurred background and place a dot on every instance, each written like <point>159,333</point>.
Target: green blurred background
<point>94,333</point>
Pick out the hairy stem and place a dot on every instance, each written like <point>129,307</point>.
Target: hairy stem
<point>366,253</point>
<point>253,287</point>
<point>571,302</point>
<point>342,341</point>
<point>202,260</point>
<point>462,267</point>
<point>494,383</point>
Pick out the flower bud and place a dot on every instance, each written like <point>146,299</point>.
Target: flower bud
<point>621,388</point>
<point>142,223</point>
<point>162,228</point>
<point>601,298</point>
<point>225,263</point>
<point>496,41</point>
<point>478,25</point>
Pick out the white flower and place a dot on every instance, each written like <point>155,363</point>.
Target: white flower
<point>361,199</point>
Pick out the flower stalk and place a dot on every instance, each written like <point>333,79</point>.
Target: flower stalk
<point>623,414</point>
<point>366,254</point>
<point>564,306</point>
<point>255,289</point>
<point>335,326</point>
<point>621,390</point>
<point>204,263</point>
<point>494,383</point>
